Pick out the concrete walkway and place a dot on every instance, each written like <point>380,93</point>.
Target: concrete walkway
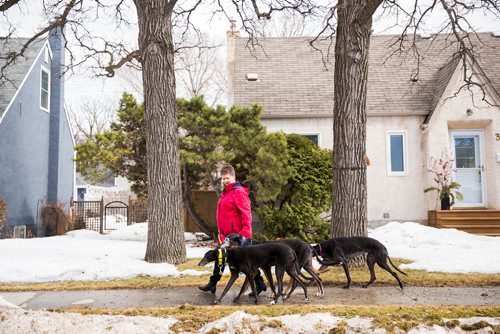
<point>375,295</point>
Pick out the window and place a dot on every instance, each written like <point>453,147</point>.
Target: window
<point>45,89</point>
<point>396,153</point>
<point>313,138</point>
<point>46,55</point>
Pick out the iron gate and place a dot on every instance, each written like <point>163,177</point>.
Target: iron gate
<point>87,215</point>
<point>116,215</point>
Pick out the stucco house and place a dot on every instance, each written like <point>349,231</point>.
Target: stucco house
<point>412,116</point>
<point>36,144</point>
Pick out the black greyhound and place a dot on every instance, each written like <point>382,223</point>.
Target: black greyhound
<point>301,248</point>
<point>339,250</point>
<point>248,260</point>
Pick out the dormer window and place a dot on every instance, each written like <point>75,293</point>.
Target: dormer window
<point>45,89</point>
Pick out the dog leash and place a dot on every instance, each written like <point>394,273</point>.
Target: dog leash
<point>221,259</point>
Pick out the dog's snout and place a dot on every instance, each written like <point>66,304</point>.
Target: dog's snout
<point>203,262</point>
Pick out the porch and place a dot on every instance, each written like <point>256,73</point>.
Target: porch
<point>483,222</point>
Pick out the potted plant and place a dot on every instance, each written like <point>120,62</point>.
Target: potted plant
<point>442,169</point>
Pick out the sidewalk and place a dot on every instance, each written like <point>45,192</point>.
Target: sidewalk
<point>375,295</point>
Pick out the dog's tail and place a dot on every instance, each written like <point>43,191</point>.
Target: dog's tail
<point>301,274</point>
<point>299,269</point>
<point>394,266</point>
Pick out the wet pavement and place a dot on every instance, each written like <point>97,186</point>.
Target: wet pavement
<point>138,298</point>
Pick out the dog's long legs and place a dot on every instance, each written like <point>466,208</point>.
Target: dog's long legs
<point>242,290</point>
<point>252,284</point>
<point>345,265</point>
<point>383,264</point>
<point>234,276</point>
<point>280,272</point>
<point>292,272</point>
<point>269,277</point>
<point>293,286</point>
<point>370,261</point>
<point>319,282</point>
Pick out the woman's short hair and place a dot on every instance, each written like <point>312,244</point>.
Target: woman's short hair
<point>227,169</point>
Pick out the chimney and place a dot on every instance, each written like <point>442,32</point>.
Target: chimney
<point>232,34</point>
<point>56,41</point>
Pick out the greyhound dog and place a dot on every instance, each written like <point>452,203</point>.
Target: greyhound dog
<point>339,250</point>
<point>248,260</point>
<point>301,248</point>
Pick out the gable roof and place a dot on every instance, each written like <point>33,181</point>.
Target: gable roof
<point>293,81</point>
<point>16,72</point>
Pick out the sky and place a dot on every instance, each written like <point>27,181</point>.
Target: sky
<point>87,255</point>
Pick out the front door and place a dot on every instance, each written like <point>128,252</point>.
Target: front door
<point>467,149</point>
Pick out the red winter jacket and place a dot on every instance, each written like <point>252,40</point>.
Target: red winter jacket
<point>233,212</point>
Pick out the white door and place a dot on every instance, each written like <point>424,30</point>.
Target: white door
<point>467,149</point>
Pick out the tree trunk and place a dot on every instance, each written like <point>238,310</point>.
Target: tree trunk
<point>349,217</point>
<point>165,214</point>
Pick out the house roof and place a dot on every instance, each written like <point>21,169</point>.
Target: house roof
<point>16,72</point>
<point>293,81</point>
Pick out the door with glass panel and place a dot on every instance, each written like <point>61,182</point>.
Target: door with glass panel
<point>467,148</point>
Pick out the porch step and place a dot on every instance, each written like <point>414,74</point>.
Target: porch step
<point>467,213</point>
<point>470,220</point>
<point>483,222</point>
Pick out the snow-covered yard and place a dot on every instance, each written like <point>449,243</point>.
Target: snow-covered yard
<point>87,255</point>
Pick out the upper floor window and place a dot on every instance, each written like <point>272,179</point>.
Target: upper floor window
<point>45,89</point>
<point>46,55</point>
<point>396,153</point>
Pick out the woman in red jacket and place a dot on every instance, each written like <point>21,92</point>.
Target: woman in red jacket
<point>234,215</point>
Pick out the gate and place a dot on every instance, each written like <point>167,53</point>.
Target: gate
<point>116,215</point>
<point>87,215</point>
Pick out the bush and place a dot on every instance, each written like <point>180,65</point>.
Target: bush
<point>55,219</point>
<point>5,231</point>
<point>307,194</point>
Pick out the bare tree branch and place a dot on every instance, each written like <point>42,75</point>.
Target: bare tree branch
<point>91,117</point>
<point>7,4</point>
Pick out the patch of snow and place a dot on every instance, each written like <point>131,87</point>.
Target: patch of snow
<point>35,322</point>
<point>6,304</point>
<point>443,250</point>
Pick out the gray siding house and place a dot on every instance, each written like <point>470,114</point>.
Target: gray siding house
<point>36,143</point>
